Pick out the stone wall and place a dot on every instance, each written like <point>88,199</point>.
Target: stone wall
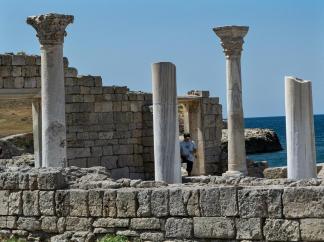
<point>108,125</point>
<point>44,203</point>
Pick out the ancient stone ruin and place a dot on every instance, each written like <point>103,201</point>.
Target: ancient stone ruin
<point>99,148</point>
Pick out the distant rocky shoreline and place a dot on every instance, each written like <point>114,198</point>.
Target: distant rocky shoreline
<point>257,140</point>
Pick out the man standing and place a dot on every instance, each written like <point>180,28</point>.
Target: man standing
<point>188,150</point>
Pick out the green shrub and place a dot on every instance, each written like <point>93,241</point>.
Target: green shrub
<point>114,238</point>
<point>14,240</point>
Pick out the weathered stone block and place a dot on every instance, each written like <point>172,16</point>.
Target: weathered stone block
<point>281,230</point>
<point>78,153</point>
<point>303,202</point>
<point>120,173</point>
<point>191,200</point>
<point>19,82</point>
<point>250,228</point>
<point>62,203</point>
<point>177,206</point>
<point>126,203</point>
<point>228,201</point>
<point>28,223</point>
<point>128,233</point>
<point>23,183</point>
<point>51,180</point>
<point>209,202</point>
<point>144,203</point>
<point>79,203</point>
<point>111,223</point>
<point>160,202</point>
<point>49,224</point>
<point>312,229</point>
<point>30,203</point>
<point>109,161</point>
<point>8,222</point>
<point>78,224</point>
<point>15,203</point>
<point>178,228</point>
<point>260,203</point>
<point>214,228</point>
<point>61,224</point>
<point>95,202</point>
<point>150,236</point>
<point>109,203</point>
<point>11,180</point>
<point>46,203</point>
<point>32,181</point>
<point>145,223</point>
<point>18,60</point>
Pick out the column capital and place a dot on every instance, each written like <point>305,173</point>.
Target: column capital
<point>231,39</point>
<point>50,27</point>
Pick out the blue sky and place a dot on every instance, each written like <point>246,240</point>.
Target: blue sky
<point>120,39</point>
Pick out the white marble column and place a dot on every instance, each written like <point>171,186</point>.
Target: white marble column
<point>37,131</point>
<point>167,162</point>
<point>50,32</point>
<point>301,154</point>
<point>232,41</point>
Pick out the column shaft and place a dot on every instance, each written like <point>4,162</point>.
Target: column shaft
<point>236,140</point>
<point>53,106</point>
<point>165,123</point>
<point>301,154</point>
<point>37,132</point>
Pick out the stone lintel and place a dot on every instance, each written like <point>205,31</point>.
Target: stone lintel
<point>50,27</point>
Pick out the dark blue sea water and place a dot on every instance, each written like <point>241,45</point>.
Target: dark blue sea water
<point>278,124</point>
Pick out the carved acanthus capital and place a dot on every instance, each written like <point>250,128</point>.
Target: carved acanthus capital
<point>50,28</point>
<point>232,39</point>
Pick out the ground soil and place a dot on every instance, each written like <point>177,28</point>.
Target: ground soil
<point>15,117</point>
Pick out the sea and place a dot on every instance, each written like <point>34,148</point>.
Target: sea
<point>278,124</point>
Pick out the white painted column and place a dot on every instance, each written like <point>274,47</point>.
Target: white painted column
<point>232,42</point>
<point>167,162</point>
<point>37,131</point>
<point>301,154</point>
<point>51,31</point>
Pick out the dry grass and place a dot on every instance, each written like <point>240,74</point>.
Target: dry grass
<point>15,117</point>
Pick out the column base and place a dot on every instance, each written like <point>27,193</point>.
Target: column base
<point>234,174</point>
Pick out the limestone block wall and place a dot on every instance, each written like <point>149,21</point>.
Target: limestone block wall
<point>203,118</point>
<point>40,204</point>
<point>110,126</point>
<point>212,119</point>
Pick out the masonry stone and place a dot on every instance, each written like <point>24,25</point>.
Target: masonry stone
<point>78,203</point>
<point>178,228</point>
<point>126,203</point>
<point>250,228</point>
<point>260,203</point>
<point>145,223</point>
<point>144,203</point>
<point>176,203</point>
<point>160,203</point>
<point>28,223</point>
<point>303,202</point>
<point>95,199</point>
<point>312,229</point>
<point>281,230</point>
<point>148,236</point>
<point>49,224</point>
<point>214,228</point>
<point>78,224</point>
<point>30,203</point>
<point>15,203</point>
<point>111,223</point>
